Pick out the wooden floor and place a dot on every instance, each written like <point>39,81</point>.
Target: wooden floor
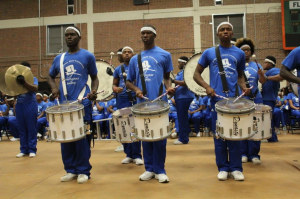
<point>191,169</point>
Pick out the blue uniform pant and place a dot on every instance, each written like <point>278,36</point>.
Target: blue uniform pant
<point>228,153</point>
<point>250,149</point>
<point>296,113</point>
<point>274,136</point>
<point>41,124</point>
<point>3,123</point>
<point>173,116</point>
<point>155,156</point>
<point>196,120</point>
<point>277,117</point>
<point>13,126</point>
<point>182,107</point>
<point>207,118</point>
<point>26,114</point>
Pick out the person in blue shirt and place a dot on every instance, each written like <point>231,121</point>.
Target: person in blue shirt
<point>195,113</point>
<point>77,65</point>
<point>99,114</point>
<point>228,155</point>
<point>183,98</point>
<point>294,104</point>
<point>270,88</point>
<point>157,65</point>
<point>126,98</point>
<point>173,116</point>
<point>253,74</point>
<point>206,115</point>
<point>26,114</point>
<point>41,119</point>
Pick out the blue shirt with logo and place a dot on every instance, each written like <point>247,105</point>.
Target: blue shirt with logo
<point>294,98</point>
<point>42,106</point>
<point>196,103</point>
<point>251,72</point>
<point>270,88</point>
<point>119,75</point>
<point>182,92</point>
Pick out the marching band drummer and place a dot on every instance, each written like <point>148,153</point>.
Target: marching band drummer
<point>228,155</point>
<point>77,64</point>
<point>253,73</point>
<point>156,65</point>
<point>126,98</point>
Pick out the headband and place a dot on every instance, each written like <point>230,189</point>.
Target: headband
<point>119,52</point>
<point>73,28</point>
<point>148,28</point>
<point>181,60</point>
<point>39,94</point>
<point>45,95</point>
<point>270,61</point>
<point>127,47</point>
<point>10,99</point>
<point>245,45</point>
<point>224,23</point>
<point>50,95</point>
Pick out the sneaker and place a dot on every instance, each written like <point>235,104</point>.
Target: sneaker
<point>177,142</point>
<point>68,177</point>
<point>39,135</point>
<point>82,178</point>
<point>126,160</point>
<point>146,176</point>
<point>119,148</point>
<point>32,155</point>
<point>237,175</point>
<point>174,135</point>
<point>20,155</point>
<point>14,139</point>
<point>162,178</point>
<point>256,161</point>
<point>138,161</point>
<point>264,141</point>
<point>222,175</point>
<point>199,134</point>
<point>244,159</point>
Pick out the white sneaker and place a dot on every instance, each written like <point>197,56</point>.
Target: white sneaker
<point>222,175</point>
<point>162,178</point>
<point>20,155</point>
<point>119,148</point>
<point>256,161</point>
<point>32,155</point>
<point>146,176</point>
<point>199,134</point>
<point>237,175</point>
<point>174,135</point>
<point>68,177</point>
<point>14,139</point>
<point>82,178</point>
<point>138,161</point>
<point>244,159</point>
<point>126,160</point>
<point>177,142</point>
<point>39,135</point>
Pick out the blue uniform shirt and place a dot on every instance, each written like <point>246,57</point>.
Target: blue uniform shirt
<point>252,76</point>
<point>270,88</point>
<point>172,106</point>
<point>156,62</point>
<point>28,97</point>
<point>182,92</point>
<point>112,103</point>
<point>42,106</point>
<point>196,103</point>
<point>294,98</point>
<point>96,111</point>
<point>77,67</point>
<point>233,60</point>
<point>206,102</point>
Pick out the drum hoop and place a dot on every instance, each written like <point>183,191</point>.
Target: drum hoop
<point>242,112</point>
<point>264,111</point>
<point>124,115</point>
<point>104,61</point>
<point>156,112</point>
<point>235,111</point>
<point>50,111</point>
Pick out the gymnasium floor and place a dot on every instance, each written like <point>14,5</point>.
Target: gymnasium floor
<point>191,169</point>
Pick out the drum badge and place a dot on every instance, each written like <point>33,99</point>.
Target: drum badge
<point>147,131</point>
<point>235,125</point>
<point>123,124</point>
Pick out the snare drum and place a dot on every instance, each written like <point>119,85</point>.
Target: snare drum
<point>235,120</point>
<point>124,123</point>
<point>262,118</point>
<point>66,122</point>
<point>151,121</point>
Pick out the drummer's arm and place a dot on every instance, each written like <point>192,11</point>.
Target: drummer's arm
<point>242,83</point>
<point>292,105</point>
<point>29,87</point>
<point>94,83</point>
<point>168,83</point>
<point>276,78</point>
<point>115,87</point>
<point>288,75</point>
<point>134,88</point>
<point>100,108</point>
<point>41,115</point>
<point>54,89</point>
<point>179,82</point>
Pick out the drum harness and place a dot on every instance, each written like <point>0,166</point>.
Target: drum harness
<point>132,99</point>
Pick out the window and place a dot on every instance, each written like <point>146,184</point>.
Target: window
<point>238,22</point>
<point>218,2</point>
<point>56,39</point>
<point>70,7</point>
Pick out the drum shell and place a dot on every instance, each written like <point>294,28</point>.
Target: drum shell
<point>263,122</point>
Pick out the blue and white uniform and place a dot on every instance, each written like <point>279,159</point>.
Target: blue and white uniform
<point>295,100</point>
<point>207,112</point>
<point>183,98</point>
<point>228,155</point>
<point>156,62</point>
<point>269,93</point>
<point>132,150</point>
<point>99,115</point>
<point>196,117</point>
<point>77,67</point>
<point>26,114</point>
<point>42,121</point>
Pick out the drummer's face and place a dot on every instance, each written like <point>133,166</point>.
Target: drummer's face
<point>72,38</point>
<point>126,55</point>
<point>181,65</point>
<point>247,52</point>
<point>225,32</point>
<point>267,65</point>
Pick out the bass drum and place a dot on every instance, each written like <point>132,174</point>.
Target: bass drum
<point>105,81</point>
<point>189,71</point>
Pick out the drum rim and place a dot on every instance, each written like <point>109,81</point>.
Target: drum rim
<point>230,111</point>
<point>157,112</point>
<point>266,111</point>
<point>49,111</point>
<point>69,140</point>
<point>121,116</point>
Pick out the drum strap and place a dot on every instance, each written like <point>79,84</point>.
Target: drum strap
<point>252,96</point>
<point>142,74</point>
<point>124,78</point>
<point>62,74</point>
<point>221,70</point>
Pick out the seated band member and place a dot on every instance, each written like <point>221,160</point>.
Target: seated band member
<point>195,114</point>
<point>157,65</point>
<point>77,65</point>
<point>173,116</point>
<point>41,119</point>
<point>126,98</point>
<point>228,155</point>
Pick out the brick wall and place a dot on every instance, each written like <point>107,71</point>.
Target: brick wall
<point>234,2</point>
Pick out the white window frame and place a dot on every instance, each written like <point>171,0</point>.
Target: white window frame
<point>70,6</point>
<point>228,14</point>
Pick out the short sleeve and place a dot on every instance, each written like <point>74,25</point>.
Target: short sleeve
<point>54,70</point>
<point>168,67</point>
<point>131,74</point>
<point>289,96</point>
<point>292,61</point>
<point>201,101</point>
<point>117,72</point>
<point>203,61</point>
<point>92,68</point>
<point>35,81</point>
<point>241,63</point>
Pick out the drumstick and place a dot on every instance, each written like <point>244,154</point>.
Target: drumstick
<point>146,98</point>
<point>163,94</point>
<point>220,96</point>
<point>86,97</point>
<point>241,95</point>
<point>111,56</point>
<point>57,101</point>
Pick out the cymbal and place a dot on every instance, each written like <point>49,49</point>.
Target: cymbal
<point>3,87</point>
<point>11,86</point>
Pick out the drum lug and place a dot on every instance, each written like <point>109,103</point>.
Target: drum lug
<point>61,117</point>
<point>64,134</point>
<point>230,132</point>
<point>241,132</point>
<point>128,121</point>
<point>71,117</point>
<point>55,135</point>
<point>120,138</point>
<point>79,114</point>
<point>117,121</point>
<point>262,133</point>
<point>262,117</point>
<point>152,134</point>
<point>136,131</point>
<point>73,133</point>
<point>249,130</point>
<point>47,115</point>
<point>161,132</point>
<point>143,133</point>
<point>222,130</point>
<point>53,118</point>
<point>80,130</point>
<point>49,133</point>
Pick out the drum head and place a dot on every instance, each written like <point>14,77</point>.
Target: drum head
<point>122,112</point>
<point>64,108</point>
<point>189,71</point>
<point>150,108</point>
<point>261,108</point>
<point>240,106</point>
<point>105,81</point>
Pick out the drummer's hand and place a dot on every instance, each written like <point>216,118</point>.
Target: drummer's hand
<point>118,89</point>
<point>92,95</point>
<point>260,72</point>
<point>247,91</point>
<point>171,91</point>
<point>210,91</point>
<point>139,93</point>
<point>55,93</point>
<point>20,79</point>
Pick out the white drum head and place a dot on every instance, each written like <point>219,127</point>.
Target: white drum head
<point>150,108</point>
<point>64,108</point>
<point>241,106</point>
<point>105,81</point>
<point>189,71</point>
